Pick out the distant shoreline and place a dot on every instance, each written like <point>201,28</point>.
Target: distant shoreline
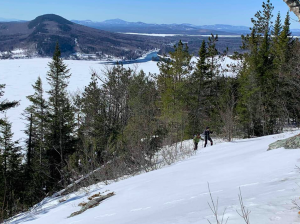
<point>173,35</point>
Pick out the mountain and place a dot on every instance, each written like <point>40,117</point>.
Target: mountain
<point>116,22</point>
<point>39,36</point>
<point>10,20</point>
<point>118,25</point>
<point>122,26</point>
<point>227,28</point>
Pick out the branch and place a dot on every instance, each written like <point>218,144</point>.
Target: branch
<point>245,213</point>
<point>214,207</point>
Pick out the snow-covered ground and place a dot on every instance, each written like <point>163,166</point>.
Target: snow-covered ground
<point>179,194</point>
<point>20,75</point>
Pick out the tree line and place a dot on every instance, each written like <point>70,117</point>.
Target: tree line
<point>124,116</point>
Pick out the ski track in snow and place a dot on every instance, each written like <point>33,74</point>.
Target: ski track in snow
<point>248,185</point>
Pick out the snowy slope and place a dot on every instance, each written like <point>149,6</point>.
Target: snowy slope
<point>19,75</point>
<point>178,193</point>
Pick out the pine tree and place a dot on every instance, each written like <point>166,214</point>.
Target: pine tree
<point>5,104</point>
<point>60,141</point>
<point>143,135</point>
<point>257,77</point>
<point>212,84</point>
<point>172,85</point>
<point>36,162</point>
<point>94,131</point>
<point>285,41</point>
<point>11,159</point>
<point>276,36</point>
<point>198,93</point>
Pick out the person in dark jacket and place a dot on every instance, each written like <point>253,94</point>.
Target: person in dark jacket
<point>196,139</point>
<point>207,137</point>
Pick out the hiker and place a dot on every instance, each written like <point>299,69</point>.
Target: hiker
<point>196,139</point>
<point>207,133</point>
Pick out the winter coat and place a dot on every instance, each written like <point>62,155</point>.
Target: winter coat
<point>196,139</point>
<point>207,134</point>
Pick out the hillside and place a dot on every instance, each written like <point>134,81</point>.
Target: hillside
<point>179,194</point>
<point>118,25</point>
<point>38,37</point>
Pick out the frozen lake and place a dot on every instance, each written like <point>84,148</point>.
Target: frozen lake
<point>20,75</point>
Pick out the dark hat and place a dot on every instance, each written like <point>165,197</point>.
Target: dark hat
<point>207,127</point>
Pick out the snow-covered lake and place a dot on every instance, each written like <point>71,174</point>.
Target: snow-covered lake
<point>178,194</point>
<point>173,35</point>
<point>19,76</point>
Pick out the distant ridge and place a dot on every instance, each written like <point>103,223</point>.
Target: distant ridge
<point>39,36</point>
<point>122,26</point>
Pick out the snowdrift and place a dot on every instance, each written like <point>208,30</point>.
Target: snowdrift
<point>178,193</point>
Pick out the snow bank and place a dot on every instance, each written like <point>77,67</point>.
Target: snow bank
<point>178,193</point>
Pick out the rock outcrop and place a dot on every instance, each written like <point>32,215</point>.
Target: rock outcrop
<point>294,6</point>
<point>92,203</point>
<point>289,143</point>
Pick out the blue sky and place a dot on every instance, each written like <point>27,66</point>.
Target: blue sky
<point>199,12</point>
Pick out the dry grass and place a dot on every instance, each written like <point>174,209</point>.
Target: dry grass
<point>82,204</point>
<point>94,196</point>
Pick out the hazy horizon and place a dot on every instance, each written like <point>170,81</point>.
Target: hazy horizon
<point>161,12</point>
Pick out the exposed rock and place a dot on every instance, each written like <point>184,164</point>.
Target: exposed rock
<point>289,143</point>
<point>92,203</point>
<point>294,6</point>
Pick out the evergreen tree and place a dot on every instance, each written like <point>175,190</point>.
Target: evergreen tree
<point>213,84</point>
<point>5,104</point>
<point>198,100</point>
<point>36,162</point>
<point>143,134</point>
<point>94,131</point>
<point>60,140</point>
<point>11,159</point>
<point>173,89</point>
<point>257,77</point>
<point>285,41</point>
<point>276,36</point>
